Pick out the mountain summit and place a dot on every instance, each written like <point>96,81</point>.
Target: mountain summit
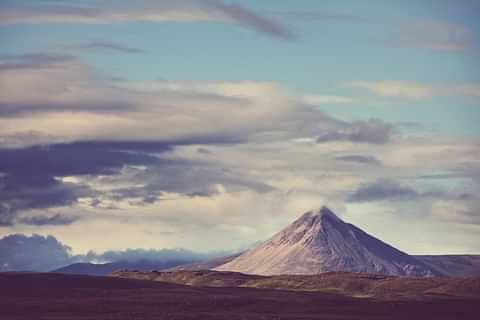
<point>319,241</point>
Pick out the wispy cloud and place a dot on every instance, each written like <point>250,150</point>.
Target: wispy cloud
<point>417,90</point>
<point>103,46</point>
<point>322,17</point>
<point>463,210</point>
<point>431,35</point>
<point>107,12</point>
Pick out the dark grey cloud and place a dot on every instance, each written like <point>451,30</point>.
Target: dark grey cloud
<point>250,19</point>
<point>30,176</point>
<point>19,252</point>
<point>355,158</point>
<point>204,151</point>
<point>382,189</point>
<point>104,46</point>
<point>187,178</point>
<point>370,131</point>
<point>38,191</point>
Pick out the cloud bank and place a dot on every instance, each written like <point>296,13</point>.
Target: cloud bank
<point>19,252</point>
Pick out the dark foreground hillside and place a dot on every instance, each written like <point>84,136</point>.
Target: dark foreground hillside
<point>59,296</point>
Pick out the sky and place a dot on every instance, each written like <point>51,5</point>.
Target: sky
<point>210,125</point>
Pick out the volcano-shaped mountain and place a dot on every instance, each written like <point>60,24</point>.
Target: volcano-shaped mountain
<point>319,241</point>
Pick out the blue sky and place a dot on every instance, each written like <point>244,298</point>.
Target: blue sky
<point>235,106</point>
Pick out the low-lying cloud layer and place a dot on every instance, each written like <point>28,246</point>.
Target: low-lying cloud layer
<point>20,252</point>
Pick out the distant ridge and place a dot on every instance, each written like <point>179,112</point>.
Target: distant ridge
<point>100,269</point>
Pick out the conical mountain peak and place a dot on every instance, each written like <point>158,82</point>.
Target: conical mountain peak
<point>325,212</point>
<point>319,215</point>
<point>319,241</point>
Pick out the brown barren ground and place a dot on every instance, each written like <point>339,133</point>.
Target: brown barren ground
<point>58,296</point>
<point>349,284</point>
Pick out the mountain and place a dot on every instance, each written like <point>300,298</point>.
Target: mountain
<point>318,242</point>
<point>100,269</point>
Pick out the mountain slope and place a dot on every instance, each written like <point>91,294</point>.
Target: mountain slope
<point>319,241</point>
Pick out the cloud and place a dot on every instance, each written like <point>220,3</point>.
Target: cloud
<point>248,18</point>
<point>416,90</point>
<point>382,189</point>
<point>103,46</point>
<point>371,131</point>
<point>322,17</point>
<point>40,191</point>
<point>396,89</point>
<point>107,12</point>
<point>43,220</point>
<point>24,187</point>
<point>65,172</point>
<point>319,99</point>
<point>361,159</point>
<point>464,210</point>
<point>32,61</point>
<point>19,252</point>
<point>67,98</point>
<point>431,35</point>
<point>26,139</point>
